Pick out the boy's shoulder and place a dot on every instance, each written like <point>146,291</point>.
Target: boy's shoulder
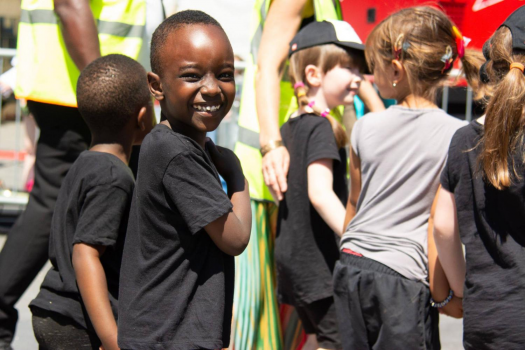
<point>305,121</point>
<point>163,144</point>
<point>93,169</point>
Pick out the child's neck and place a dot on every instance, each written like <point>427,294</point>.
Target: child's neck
<point>186,130</point>
<point>120,147</point>
<point>316,94</point>
<point>414,102</point>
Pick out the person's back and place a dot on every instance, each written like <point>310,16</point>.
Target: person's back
<point>77,303</point>
<point>492,229</point>
<point>482,201</point>
<point>402,151</point>
<point>381,282</point>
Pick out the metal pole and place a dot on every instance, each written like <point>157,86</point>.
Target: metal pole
<point>468,112</point>
<point>1,97</point>
<point>444,102</point>
<point>18,120</point>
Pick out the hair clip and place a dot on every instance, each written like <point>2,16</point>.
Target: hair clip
<point>325,113</point>
<point>447,59</point>
<point>301,94</point>
<point>460,42</point>
<point>399,46</point>
<point>298,85</point>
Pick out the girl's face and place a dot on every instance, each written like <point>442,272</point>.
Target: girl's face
<point>340,85</point>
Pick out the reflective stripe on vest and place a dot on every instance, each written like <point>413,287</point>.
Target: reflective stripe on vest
<point>45,71</point>
<point>247,147</point>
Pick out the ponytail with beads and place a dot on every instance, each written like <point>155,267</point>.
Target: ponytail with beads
<point>325,57</point>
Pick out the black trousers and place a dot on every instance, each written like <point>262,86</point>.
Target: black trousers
<point>378,308</point>
<point>63,136</point>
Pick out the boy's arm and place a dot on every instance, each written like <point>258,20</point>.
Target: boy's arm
<point>439,287</point>
<point>355,188</point>
<point>91,280</point>
<point>322,195</point>
<point>231,232</point>
<point>448,243</point>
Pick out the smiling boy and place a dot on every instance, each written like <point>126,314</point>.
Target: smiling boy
<point>177,273</point>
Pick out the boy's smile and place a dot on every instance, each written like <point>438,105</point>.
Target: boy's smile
<point>196,87</point>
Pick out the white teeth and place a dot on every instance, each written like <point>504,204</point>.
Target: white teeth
<point>206,108</point>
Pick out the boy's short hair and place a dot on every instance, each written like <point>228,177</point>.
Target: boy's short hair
<point>171,24</point>
<point>111,90</point>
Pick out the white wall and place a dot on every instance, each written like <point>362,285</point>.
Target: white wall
<point>233,15</point>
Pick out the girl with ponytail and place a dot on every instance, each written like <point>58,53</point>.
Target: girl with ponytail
<point>482,201</point>
<point>325,63</point>
<point>381,283</point>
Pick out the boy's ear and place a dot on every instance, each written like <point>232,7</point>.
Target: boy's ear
<point>398,71</point>
<point>141,118</point>
<point>155,86</point>
<point>313,75</point>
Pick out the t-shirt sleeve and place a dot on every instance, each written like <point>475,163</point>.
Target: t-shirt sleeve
<point>191,184</point>
<point>321,143</point>
<point>354,138</point>
<point>450,174</point>
<point>104,208</point>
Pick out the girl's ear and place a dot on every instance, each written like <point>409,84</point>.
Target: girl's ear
<point>313,75</point>
<point>155,86</point>
<point>398,72</point>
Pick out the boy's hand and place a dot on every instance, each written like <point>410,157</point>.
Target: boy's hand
<point>226,162</point>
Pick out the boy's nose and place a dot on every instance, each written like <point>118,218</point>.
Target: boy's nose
<point>210,87</point>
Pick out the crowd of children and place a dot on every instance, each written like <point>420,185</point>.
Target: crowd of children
<point>148,264</point>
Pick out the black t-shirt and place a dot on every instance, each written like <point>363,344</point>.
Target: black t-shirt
<point>176,287</point>
<point>92,207</point>
<point>306,249</point>
<point>492,228</point>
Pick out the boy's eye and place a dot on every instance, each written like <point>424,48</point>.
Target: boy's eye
<point>226,76</point>
<point>190,76</point>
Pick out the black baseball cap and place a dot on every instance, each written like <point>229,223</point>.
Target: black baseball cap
<point>335,32</point>
<point>516,24</point>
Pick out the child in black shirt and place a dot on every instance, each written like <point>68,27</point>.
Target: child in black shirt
<point>325,72</point>
<point>76,307</point>
<point>178,266</point>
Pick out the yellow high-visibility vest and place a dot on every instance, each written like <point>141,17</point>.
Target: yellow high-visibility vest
<point>247,146</point>
<point>45,71</point>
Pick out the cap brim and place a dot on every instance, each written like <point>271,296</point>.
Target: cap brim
<point>358,49</point>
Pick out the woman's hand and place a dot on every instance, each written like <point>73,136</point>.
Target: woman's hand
<point>275,165</point>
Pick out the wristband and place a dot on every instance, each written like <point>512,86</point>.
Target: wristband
<point>439,305</point>
<point>270,146</point>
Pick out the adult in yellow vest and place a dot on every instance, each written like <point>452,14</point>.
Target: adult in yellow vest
<point>267,100</point>
<point>56,40</point>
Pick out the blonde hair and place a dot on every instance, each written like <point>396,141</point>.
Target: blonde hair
<point>326,57</point>
<point>504,119</point>
<point>422,36</point>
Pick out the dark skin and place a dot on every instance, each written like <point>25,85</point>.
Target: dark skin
<point>79,30</point>
<point>89,272</point>
<point>196,90</point>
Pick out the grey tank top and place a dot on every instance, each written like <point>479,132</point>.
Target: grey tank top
<point>402,152</point>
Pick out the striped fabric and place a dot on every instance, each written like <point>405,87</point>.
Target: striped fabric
<point>257,318</point>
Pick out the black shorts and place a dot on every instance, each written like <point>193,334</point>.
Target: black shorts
<point>320,318</point>
<point>381,309</point>
<point>57,332</point>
